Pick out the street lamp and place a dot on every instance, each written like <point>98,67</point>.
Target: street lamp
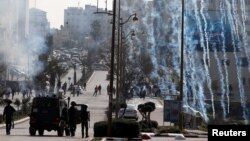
<point>123,62</point>
<point>109,133</point>
<point>119,56</point>
<point>74,65</point>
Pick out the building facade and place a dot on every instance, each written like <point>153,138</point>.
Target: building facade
<point>38,23</point>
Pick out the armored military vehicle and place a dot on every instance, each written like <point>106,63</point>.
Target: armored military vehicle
<point>46,113</point>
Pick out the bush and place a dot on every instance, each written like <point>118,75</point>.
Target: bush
<point>1,118</point>
<point>169,129</point>
<point>100,129</point>
<point>120,128</point>
<point>148,126</point>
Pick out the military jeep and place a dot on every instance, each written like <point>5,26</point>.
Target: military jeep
<point>46,115</point>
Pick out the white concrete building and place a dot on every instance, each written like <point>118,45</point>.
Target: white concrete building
<point>38,22</point>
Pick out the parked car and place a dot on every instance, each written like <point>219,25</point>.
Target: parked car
<point>130,112</point>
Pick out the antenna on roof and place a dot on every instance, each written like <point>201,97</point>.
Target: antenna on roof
<point>106,5</point>
<point>97,5</point>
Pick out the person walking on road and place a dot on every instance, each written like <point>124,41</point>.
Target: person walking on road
<point>84,86</point>
<point>8,116</point>
<point>100,89</point>
<point>85,118</point>
<point>72,118</point>
<point>65,120</point>
<point>64,87</point>
<point>96,90</point>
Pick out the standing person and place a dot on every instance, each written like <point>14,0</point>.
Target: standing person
<point>84,86</point>
<point>72,118</point>
<point>100,89</point>
<point>85,117</point>
<point>96,90</point>
<point>8,116</point>
<point>108,89</point>
<point>65,119</point>
<point>78,90</point>
<point>13,92</point>
<point>64,87</point>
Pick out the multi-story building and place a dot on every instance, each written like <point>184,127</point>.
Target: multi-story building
<point>38,23</point>
<point>78,21</point>
<point>14,18</point>
<point>78,25</point>
<point>13,30</point>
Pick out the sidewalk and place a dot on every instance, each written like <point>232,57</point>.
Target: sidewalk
<point>16,122</point>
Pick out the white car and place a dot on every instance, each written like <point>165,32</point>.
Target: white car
<point>130,113</point>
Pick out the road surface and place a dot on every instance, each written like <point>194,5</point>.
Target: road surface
<point>97,107</point>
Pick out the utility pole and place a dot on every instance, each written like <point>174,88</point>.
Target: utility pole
<point>111,72</point>
<point>118,74</point>
<point>182,67</point>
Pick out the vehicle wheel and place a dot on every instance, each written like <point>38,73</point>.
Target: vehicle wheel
<point>60,131</point>
<point>40,132</point>
<point>32,131</point>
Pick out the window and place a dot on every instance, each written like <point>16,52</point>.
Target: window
<point>230,87</point>
<point>247,2</point>
<point>243,62</point>
<point>226,61</point>
<point>244,81</point>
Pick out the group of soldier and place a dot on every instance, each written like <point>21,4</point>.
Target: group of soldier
<point>70,117</point>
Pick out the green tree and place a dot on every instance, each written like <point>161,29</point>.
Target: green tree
<point>96,30</point>
<point>17,103</point>
<point>146,64</point>
<point>25,105</point>
<point>145,110</point>
<point>2,68</point>
<point>52,69</point>
<point>141,109</point>
<point>83,63</point>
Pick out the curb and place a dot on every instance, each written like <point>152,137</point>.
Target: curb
<point>16,122</point>
<point>185,135</point>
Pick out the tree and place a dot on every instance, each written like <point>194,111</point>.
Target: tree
<point>49,43</point>
<point>17,103</point>
<point>96,30</point>
<point>2,68</point>
<point>141,109</point>
<point>25,106</point>
<point>146,64</point>
<point>145,110</point>
<point>123,105</point>
<point>54,70</point>
<point>83,63</point>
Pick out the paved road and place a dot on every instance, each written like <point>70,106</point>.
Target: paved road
<point>97,106</point>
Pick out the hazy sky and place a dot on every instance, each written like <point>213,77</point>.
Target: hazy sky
<point>55,8</point>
